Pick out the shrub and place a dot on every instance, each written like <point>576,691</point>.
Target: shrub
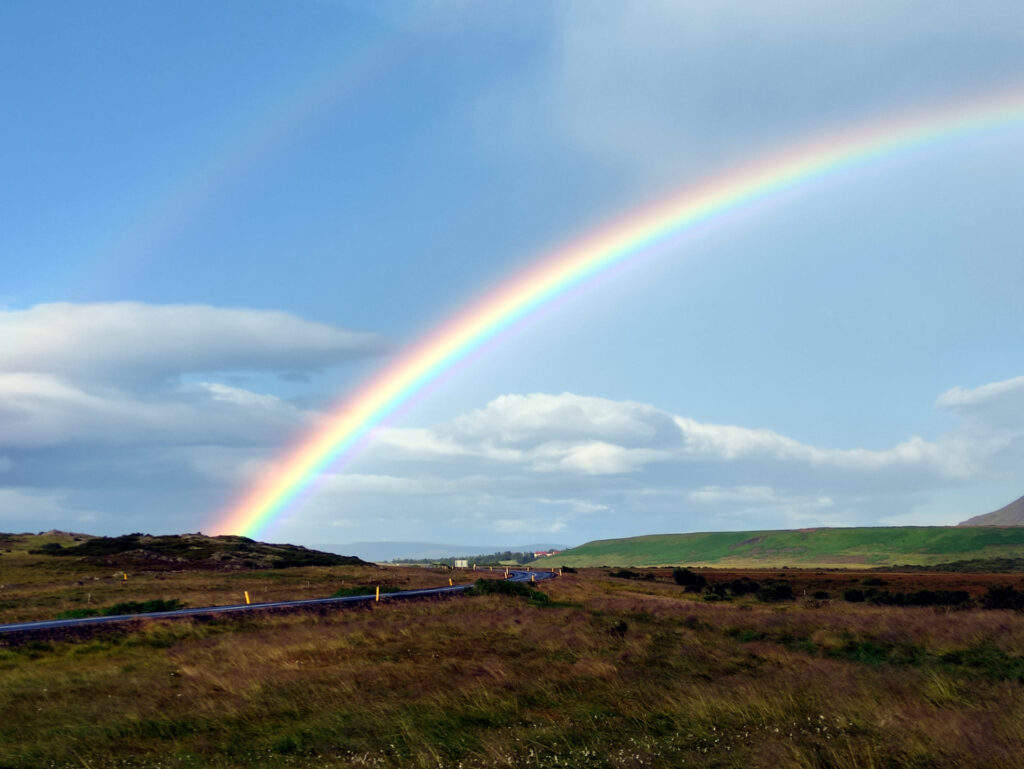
<point>627,574</point>
<point>50,548</point>
<point>77,613</point>
<point>743,586</point>
<point>345,592</point>
<point>1003,597</point>
<point>853,595</point>
<point>505,587</point>
<point>619,629</point>
<point>143,607</point>
<point>937,598</point>
<point>692,581</point>
<point>775,591</point>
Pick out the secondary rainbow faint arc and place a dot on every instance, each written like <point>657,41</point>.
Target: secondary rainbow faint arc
<point>341,436</point>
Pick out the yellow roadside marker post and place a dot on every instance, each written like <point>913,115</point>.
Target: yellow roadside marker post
<point>247,601</point>
<point>378,594</point>
<point>533,578</point>
<point>124,574</point>
<point>450,581</point>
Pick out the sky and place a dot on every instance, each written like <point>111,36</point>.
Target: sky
<point>219,219</point>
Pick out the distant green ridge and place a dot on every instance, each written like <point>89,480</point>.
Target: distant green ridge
<point>842,548</point>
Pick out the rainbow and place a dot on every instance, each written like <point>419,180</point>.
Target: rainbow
<point>247,143</point>
<point>655,227</point>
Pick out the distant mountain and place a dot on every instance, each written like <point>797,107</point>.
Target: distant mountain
<point>1011,515</point>
<point>386,551</point>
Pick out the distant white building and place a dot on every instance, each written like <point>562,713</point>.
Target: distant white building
<point>461,563</point>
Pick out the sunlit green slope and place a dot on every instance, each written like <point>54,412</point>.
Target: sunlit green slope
<point>847,548</point>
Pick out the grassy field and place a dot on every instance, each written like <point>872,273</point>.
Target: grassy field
<point>808,548</point>
<point>36,586</point>
<point>612,672</point>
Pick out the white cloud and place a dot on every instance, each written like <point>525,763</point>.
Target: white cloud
<point>719,494</point>
<point>596,436</point>
<point>511,420</point>
<point>127,341</point>
<point>580,506</point>
<point>426,444</point>
<point>593,458</point>
<point>528,526</point>
<point>731,442</point>
<point>750,501</point>
<point>999,404</point>
<point>616,467</point>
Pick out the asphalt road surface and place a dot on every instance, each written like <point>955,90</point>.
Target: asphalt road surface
<point>515,575</point>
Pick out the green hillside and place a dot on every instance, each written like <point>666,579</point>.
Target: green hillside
<point>843,548</point>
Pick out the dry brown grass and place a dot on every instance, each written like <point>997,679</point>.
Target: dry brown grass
<point>38,587</point>
<point>616,674</point>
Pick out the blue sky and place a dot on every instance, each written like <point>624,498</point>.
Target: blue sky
<point>220,218</point>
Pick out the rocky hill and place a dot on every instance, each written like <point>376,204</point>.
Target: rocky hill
<point>1011,515</point>
<point>179,551</point>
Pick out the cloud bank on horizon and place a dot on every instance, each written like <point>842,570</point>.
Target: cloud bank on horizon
<point>851,357</point>
<point>521,464</point>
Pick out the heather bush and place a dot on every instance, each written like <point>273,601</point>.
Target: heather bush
<point>507,587</point>
<point>775,591</point>
<point>1003,597</point>
<point>690,580</point>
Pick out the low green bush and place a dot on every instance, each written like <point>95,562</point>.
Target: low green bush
<point>775,591</point>
<point>125,607</point>
<point>506,587</point>
<point>78,613</point>
<point>143,607</point>
<point>345,592</point>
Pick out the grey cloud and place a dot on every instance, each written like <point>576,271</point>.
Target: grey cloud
<point>552,462</point>
<point>39,410</point>
<point>130,341</point>
<point>651,90</point>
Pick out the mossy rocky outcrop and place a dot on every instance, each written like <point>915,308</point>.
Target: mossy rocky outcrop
<point>193,551</point>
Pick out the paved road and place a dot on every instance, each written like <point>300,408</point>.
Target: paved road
<point>514,576</point>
